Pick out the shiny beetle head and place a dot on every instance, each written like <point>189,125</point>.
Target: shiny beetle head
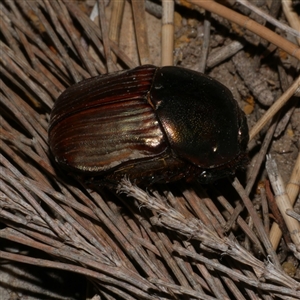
<point>150,124</point>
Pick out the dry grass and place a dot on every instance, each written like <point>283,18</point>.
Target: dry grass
<point>183,241</point>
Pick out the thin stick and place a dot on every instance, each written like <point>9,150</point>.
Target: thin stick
<point>293,185</point>
<point>167,33</point>
<point>66,58</point>
<point>104,30</point>
<point>233,273</point>
<point>262,154</point>
<point>205,45</point>
<point>63,16</point>
<point>282,200</point>
<point>270,19</point>
<point>249,24</point>
<point>93,28</point>
<point>265,209</point>
<point>293,214</point>
<point>257,222</point>
<point>139,17</point>
<point>279,103</point>
<point>292,190</point>
<point>276,213</point>
<point>255,167</point>
<point>223,53</point>
<point>291,16</point>
<point>115,22</point>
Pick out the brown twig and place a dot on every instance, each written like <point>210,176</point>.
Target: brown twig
<point>223,53</point>
<point>249,24</point>
<point>205,45</point>
<point>278,218</point>
<point>257,222</point>
<point>285,202</point>
<point>265,209</point>
<point>292,16</point>
<point>105,36</point>
<point>116,21</point>
<point>138,8</point>
<point>270,19</point>
<point>167,33</point>
<point>279,103</point>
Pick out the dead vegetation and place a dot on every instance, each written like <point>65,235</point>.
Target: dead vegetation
<point>235,239</point>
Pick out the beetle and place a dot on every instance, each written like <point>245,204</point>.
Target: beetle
<point>150,124</point>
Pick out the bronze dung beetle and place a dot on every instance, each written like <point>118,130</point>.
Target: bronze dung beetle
<point>149,124</point>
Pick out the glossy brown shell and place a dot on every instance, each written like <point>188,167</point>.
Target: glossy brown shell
<point>149,124</point>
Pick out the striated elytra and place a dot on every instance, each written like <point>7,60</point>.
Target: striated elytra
<point>149,124</point>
